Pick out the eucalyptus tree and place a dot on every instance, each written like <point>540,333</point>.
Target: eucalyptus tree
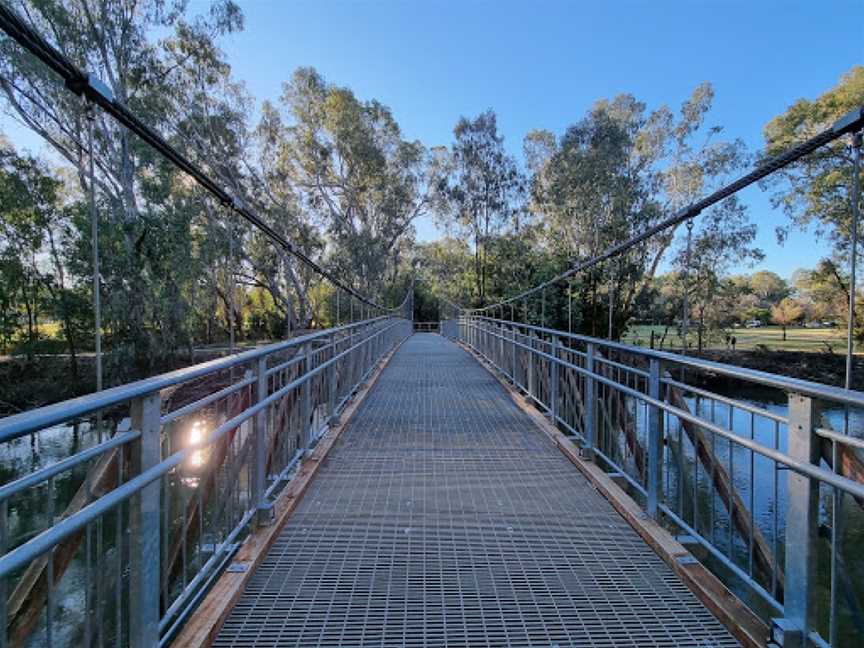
<point>482,191</point>
<point>617,172</point>
<point>723,238</point>
<point>113,40</point>
<point>446,266</point>
<point>216,130</point>
<point>815,190</point>
<point>36,216</point>
<point>353,172</point>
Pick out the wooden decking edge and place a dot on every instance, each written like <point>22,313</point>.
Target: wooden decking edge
<point>741,622</point>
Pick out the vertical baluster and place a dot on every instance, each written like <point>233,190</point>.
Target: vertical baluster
<point>166,520</point>
<point>731,447</point>
<point>836,537</point>
<point>305,398</point>
<point>4,621</point>
<point>711,490</point>
<point>513,355</point>
<point>590,403</point>
<point>655,441</point>
<point>667,434</point>
<point>259,432</point>
<point>97,601</point>
<point>499,331</point>
<point>88,587</point>
<point>331,378</point>
<point>752,487</point>
<point>553,381</point>
<point>695,469</point>
<point>198,546</point>
<point>681,465</point>
<point>118,550</point>
<point>49,606</point>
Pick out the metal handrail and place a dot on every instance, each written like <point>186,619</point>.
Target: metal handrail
<point>740,405</point>
<point>17,425</point>
<point>32,549</point>
<point>536,356</point>
<point>43,474</point>
<point>847,485</point>
<point>785,383</point>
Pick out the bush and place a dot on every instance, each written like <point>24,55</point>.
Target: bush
<point>42,346</point>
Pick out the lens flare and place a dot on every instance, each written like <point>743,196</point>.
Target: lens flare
<point>196,435</point>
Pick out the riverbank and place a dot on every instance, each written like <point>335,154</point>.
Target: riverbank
<point>44,379</point>
<point>821,367</point>
<point>27,384</point>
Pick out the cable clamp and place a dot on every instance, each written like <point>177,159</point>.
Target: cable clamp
<point>91,87</point>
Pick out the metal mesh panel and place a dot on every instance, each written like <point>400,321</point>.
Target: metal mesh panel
<point>443,517</point>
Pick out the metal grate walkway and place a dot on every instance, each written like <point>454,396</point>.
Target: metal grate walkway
<point>444,517</point>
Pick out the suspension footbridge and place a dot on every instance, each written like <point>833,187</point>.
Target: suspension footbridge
<point>445,516</point>
<point>481,480</point>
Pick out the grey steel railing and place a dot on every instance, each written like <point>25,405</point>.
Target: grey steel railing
<point>747,485</point>
<point>182,466</point>
<point>449,328</point>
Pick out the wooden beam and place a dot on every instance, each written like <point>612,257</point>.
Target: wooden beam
<point>725,487</point>
<point>205,623</point>
<point>741,622</point>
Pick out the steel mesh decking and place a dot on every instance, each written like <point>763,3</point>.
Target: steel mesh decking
<point>444,517</point>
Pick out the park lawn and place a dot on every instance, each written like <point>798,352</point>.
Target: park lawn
<point>797,338</point>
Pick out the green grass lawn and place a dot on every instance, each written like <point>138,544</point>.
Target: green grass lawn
<point>797,338</point>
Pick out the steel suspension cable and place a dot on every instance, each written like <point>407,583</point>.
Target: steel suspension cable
<point>95,91</point>
<point>851,122</point>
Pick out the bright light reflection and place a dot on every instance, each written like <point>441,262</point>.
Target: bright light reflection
<point>196,435</point>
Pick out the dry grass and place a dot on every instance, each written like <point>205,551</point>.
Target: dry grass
<point>797,338</point>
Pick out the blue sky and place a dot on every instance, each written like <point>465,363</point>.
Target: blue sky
<point>542,64</point>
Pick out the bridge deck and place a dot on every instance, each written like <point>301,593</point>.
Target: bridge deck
<point>444,517</point>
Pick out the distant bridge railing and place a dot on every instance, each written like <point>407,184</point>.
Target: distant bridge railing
<point>115,543</point>
<point>449,328</point>
<point>756,489</point>
<point>426,327</point>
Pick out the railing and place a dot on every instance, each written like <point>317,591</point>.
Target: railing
<point>426,327</point>
<point>755,489</point>
<point>116,543</point>
<point>449,328</point>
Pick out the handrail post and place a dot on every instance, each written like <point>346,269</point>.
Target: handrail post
<point>655,441</point>
<point>802,521</point>
<point>513,356</point>
<point>531,363</point>
<point>590,404</point>
<point>350,360</point>
<point>332,380</point>
<point>145,526</point>
<point>305,398</point>
<point>259,434</point>
<point>553,381</point>
<point>370,347</point>
<point>501,363</point>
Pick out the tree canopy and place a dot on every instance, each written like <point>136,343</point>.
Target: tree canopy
<point>333,173</point>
